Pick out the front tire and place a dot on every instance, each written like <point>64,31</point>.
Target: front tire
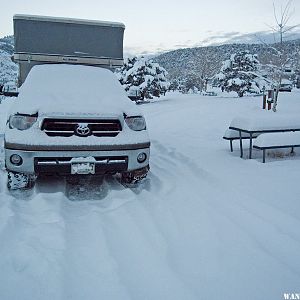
<point>20,181</point>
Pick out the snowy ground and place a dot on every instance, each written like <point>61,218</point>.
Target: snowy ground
<point>205,225</point>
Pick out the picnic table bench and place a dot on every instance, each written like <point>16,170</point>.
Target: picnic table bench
<point>10,94</point>
<point>209,93</point>
<point>232,135</point>
<point>277,141</point>
<point>261,124</point>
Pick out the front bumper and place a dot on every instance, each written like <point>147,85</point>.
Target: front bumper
<point>119,159</point>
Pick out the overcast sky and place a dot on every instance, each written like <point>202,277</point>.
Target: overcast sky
<point>159,25</point>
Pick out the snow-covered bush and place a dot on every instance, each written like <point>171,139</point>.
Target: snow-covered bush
<point>241,73</point>
<point>143,77</point>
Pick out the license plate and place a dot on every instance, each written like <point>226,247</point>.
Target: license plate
<point>83,165</point>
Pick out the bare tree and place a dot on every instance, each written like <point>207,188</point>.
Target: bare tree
<point>280,29</point>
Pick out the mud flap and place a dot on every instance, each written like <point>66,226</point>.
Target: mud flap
<point>20,181</point>
<point>133,178</point>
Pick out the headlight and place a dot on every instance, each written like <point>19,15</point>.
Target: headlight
<point>21,122</point>
<point>136,123</point>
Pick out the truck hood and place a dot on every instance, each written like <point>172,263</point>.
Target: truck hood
<point>72,89</point>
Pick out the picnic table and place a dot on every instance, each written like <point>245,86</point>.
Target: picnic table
<point>263,123</point>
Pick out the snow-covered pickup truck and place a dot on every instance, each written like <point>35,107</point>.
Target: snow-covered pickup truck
<point>74,120</point>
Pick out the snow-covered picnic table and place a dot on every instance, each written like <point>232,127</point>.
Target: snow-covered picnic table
<point>263,123</point>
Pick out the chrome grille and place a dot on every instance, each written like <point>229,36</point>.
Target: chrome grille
<point>67,127</point>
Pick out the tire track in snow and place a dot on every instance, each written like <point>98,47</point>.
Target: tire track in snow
<point>42,238</point>
<point>148,236</point>
<point>30,257</point>
<point>141,253</point>
<point>184,224</point>
<point>109,237</point>
<point>170,168</point>
<point>90,271</point>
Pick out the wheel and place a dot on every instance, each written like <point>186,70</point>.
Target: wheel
<point>134,177</point>
<point>20,181</point>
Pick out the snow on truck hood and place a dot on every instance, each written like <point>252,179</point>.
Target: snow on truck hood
<point>59,89</point>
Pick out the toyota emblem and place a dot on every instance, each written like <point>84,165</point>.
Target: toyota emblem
<point>82,129</point>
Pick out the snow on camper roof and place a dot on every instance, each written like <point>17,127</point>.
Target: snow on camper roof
<point>67,20</point>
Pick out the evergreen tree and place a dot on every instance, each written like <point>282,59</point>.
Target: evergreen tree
<point>241,73</point>
<point>192,83</point>
<point>8,69</point>
<point>144,77</point>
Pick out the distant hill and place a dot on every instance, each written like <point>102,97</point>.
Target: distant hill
<point>179,63</point>
<point>207,60</point>
<point>8,69</point>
